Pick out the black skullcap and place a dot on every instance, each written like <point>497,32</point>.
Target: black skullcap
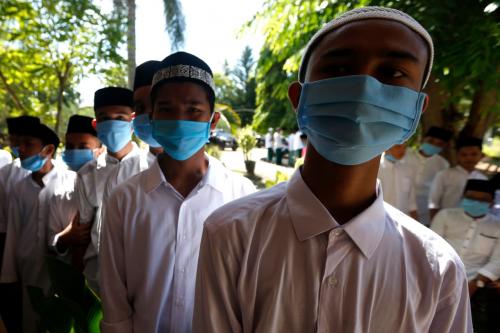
<point>17,125</point>
<point>480,185</point>
<point>469,142</point>
<point>439,133</point>
<point>144,73</point>
<point>81,124</point>
<point>181,67</point>
<point>42,132</point>
<point>113,96</point>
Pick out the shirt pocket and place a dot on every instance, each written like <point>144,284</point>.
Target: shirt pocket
<point>484,244</point>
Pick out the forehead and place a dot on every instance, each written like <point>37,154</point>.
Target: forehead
<point>141,93</point>
<point>31,139</point>
<point>369,38</point>
<point>113,109</point>
<point>478,195</point>
<point>180,91</point>
<point>80,137</point>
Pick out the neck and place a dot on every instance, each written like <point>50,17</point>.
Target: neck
<point>37,176</point>
<point>119,155</point>
<point>184,175</point>
<point>155,151</point>
<point>469,170</point>
<point>345,190</point>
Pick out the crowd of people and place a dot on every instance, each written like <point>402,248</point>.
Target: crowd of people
<point>367,236</point>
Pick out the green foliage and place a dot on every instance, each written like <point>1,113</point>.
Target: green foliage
<point>230,120</point>
<point>246,141</point>
<point>279,178</point>
<point>466,39</point>
<point>175,23</point>
<point>46,48</point>
<point>213,150</point>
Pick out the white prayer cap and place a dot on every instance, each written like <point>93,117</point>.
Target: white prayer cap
<point>364,13</point>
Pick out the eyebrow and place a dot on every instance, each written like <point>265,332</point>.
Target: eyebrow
<point>394,54</point>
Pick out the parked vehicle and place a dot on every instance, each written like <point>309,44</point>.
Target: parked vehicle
<point>223,139</point>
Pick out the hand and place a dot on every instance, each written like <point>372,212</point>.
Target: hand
<point>472,288</point>
<point>76,233</point>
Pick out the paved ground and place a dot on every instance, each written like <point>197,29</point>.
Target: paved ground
<point>267,171</point>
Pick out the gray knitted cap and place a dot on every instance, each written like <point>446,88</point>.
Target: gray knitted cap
<point>364,13</point>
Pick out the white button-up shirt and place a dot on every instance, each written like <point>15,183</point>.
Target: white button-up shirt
<point>397,183</point>
<point>5,158</point>
<point>448,187</point>
<point>477,241</point>
<point>149,249</point>
<point>425,169</point>
<point>26,241</point>
<point>277,261</point>
<point>10,174</point>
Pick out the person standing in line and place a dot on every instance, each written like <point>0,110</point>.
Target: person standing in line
<point>324,245</point>
<point>278,145</point>
<point>269,144</point>
<point>449,184</point>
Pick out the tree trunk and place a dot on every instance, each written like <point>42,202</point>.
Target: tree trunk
<point>438,98</point>
<point>12,93</point>
<point>63,79</point>
<point>131,41</point>
<point>482,112</point>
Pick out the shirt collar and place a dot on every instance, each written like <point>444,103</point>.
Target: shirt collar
<point>49,176</point>
<point>112,160</point>
<point>462,170</point>
<point>154,177</point>
<point>310,218</point>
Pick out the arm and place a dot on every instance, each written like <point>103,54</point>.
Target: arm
<point>436,193</point>
<point>216,306</point>
<point>491,270</point>
<point>438,224</point>
<point>113,284</point>
<point>8,271</point>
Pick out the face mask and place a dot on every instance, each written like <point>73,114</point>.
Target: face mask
<point>352,119</point>
<point>76,158</point>
<point>144,130</point>
<point>34,163</point>
<point>15,151</point>
<point>390,158</point>
<point>430,149</point>
<point>475,208</point>
<point>115,134</point>
<point>181,139</point>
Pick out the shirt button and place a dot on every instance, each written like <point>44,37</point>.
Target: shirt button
<point>332,281</point>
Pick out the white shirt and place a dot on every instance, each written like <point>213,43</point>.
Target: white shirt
<point>5,158</point>
<point>425,169</point>
<point>476,241</point>
<point>448,187</point>
<point>92,178</point>
<point>149,250</point>
<point>278,141</point>
<point>269,140</point>
<point>396,179</point>
<point>277,261</point>
<point>291,139</point>
<point>9,176</point>
<point>297,141</point>
<point>26,242</point>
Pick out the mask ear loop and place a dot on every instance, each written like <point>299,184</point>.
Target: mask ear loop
<point>419,104</point>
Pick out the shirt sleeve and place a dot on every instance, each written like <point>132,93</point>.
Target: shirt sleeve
<point>437,191</point>
<point>492,269</point>
<point>438,224</point>
<point>8,271</point>
<point>85,207</point>
<point>453,313</point>
<point>3,205</point>
<point>55,225</point>
<point>216,306</point>
<point>117,311</point>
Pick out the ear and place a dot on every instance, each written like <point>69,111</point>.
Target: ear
<point>294,91</point>
<point>426,103</point>
<point>49,150</point>
<point>98,151</point>
<point>215,120</point>
<point>94,123</point>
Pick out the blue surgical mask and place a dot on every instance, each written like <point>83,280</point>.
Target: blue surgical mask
<point>475,208</point>
<point>352,119</point>
<point>430,149</point>
<point>115,134</point>
<point>76,158</point>
<point>34,163</point>
<point>15,151</point>
<point>390,158</point>
<point>144,130</point>
<point>181,139</point>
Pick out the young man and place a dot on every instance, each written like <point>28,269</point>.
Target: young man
<point>396,178</point>
<point>113,108</point>
<point>269,144</point>
<point>475,234</point>
<point>427,163</point>
<point>28,215</point>
<point>64,229</point>
<point>9,176</point>
<point>322,253</point>
<point>153,222</point>
<point>142,106</point>
<point>449,184</point>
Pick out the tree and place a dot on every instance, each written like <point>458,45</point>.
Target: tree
<point>46,47</point>
<point>466,69</point>
<point>175,27</point>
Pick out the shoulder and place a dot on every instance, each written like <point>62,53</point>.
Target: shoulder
<point>427,247</point>
<point>244,213</point>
